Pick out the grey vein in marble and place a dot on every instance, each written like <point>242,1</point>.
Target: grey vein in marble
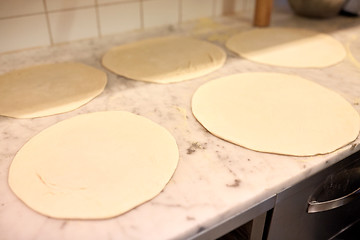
<point>214,179</point>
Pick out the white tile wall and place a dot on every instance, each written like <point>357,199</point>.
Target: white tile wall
<point>23,32</point>
<point>120,17</point>
<point>73,25</point>
<point>223,7</point>
<point>9,8</point>
<point>160,12</point>
<point>241,5</point>
<point>218,7</point>
<point>68,4</point>
<point>102,2</point>
<point>32,23</point>
<point>196,9</point>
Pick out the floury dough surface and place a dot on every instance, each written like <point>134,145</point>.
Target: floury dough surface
<point>164,60</point>
<point>288,47</point>
<point>94,166</point>
<point>49,89</point>
<point>214,181</point>
<point>276,113</point>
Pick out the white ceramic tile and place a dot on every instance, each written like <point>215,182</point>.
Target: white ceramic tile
<point>101,2</point>
<point>196,9</point>
<point>160,12</point>
<point>23,32</point>
<point>244,5</point>
<point>9,8</point>
<point>251,4</point>
<point>73,25</point>
<point>240,5</point>
<point>228,7</point>
<point>218,7</point>
<point>119,17</point>
<point>67,4</point>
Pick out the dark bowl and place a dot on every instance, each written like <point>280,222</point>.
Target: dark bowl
<point>316,8</point>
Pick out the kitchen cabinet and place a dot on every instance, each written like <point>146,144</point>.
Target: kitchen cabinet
<point>254,221</point>
<point>321,206</point>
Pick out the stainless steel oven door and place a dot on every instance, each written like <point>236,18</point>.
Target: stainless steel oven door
<point>321,206</point>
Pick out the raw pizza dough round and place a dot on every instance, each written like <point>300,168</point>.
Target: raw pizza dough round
<point>94,166</point>
<point>49,89</point>
<point>164,60</point>
<point>276,113</point>
<point>287,47</point>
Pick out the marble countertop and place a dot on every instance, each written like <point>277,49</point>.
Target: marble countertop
<point>214,179</point>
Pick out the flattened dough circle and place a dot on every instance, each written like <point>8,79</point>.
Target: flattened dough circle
<point>49,89</point>
<point>94,166</point>
<point>287,47</point>
<point>276,113</point>
<point>164,60</point>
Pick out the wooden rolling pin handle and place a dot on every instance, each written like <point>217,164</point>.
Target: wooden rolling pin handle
<point>263,10</point>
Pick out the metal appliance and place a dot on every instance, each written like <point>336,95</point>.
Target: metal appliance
<point>320,207</point>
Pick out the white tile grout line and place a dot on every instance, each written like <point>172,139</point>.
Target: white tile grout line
<point>245,6</point>
<point>97,5</point>
<point>65,9</point>
<point>97,15</point>
<point>48,23</point>
<point>46,12</point>
<point>22,15</point>
<point>141,9</point>
<point>213,10</point>
<point>180,5</point>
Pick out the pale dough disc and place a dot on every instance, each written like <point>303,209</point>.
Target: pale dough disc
<point>94,166</point>
<point>287,47</point>
<point>49,89</point>
<point>164,60</point>
<point>276,113</point>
